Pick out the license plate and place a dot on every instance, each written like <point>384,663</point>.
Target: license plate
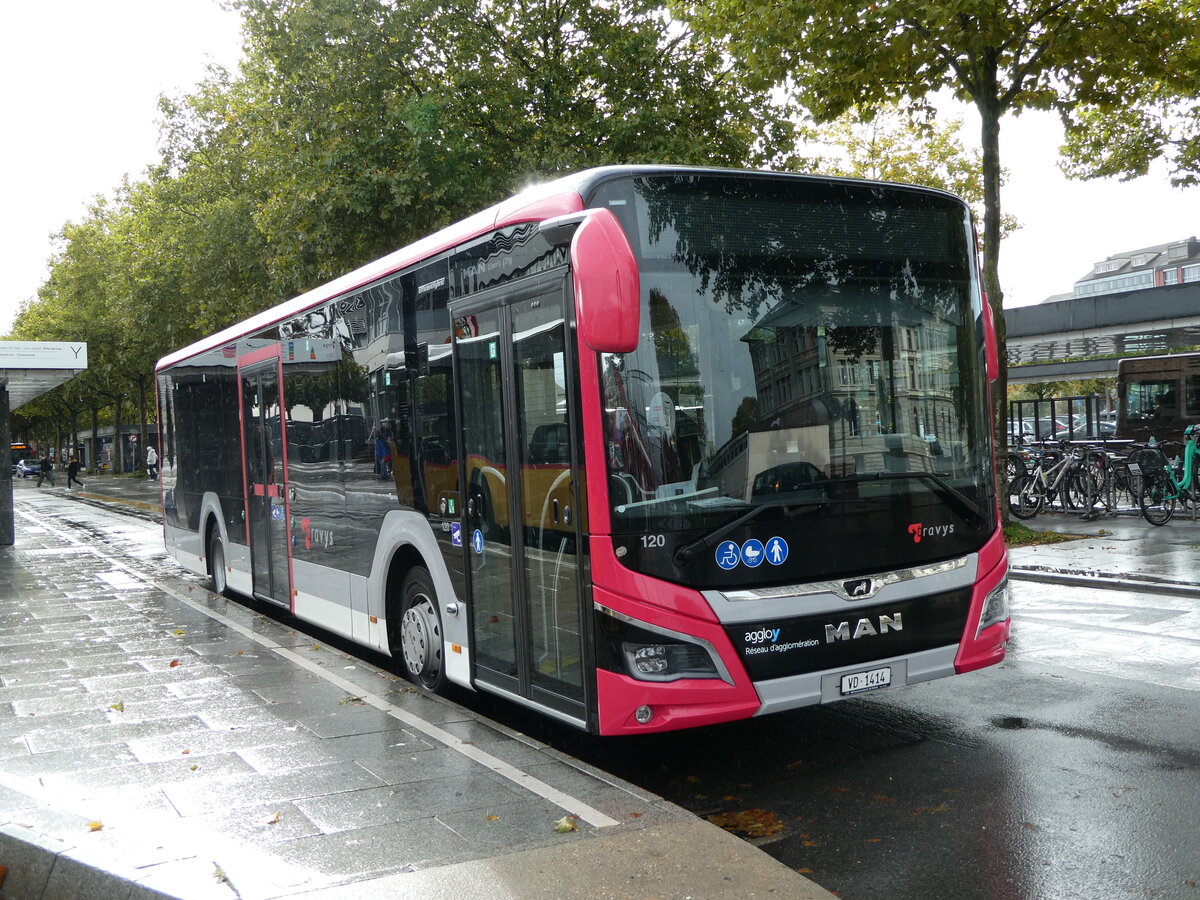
<point>857,682</point>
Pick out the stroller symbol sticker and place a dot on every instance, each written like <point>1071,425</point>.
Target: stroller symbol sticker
<point>752,552</point>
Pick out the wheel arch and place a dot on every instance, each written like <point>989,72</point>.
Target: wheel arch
<point>404,559</point>
<point>407,539</point>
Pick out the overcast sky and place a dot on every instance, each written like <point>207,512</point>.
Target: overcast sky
<point>80,80</point>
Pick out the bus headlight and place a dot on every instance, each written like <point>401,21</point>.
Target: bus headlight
<point>995,606</point>
<point>667,661</point>
<point>650,652</point>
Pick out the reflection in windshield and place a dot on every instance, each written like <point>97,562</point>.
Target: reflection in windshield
<point>796,334</point>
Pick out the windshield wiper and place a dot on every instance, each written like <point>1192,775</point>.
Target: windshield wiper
<point>944,487</point>
<point>690,551</point>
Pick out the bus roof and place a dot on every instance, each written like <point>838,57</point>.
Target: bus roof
<point>560,196</point>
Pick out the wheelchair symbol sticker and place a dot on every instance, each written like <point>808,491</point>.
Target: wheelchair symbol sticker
<point>728,555</point>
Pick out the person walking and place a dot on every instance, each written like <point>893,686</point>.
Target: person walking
<point>152,463</point>
<point>73,473</point>
<point>46,470</point>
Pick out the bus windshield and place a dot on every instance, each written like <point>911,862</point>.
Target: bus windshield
<point>813,347</point>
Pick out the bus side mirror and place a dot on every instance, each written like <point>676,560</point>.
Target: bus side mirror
<point>608,293</point>
<point>991,349</point>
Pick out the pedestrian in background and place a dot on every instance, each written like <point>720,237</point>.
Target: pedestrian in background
<point>73,473</point>
<point>152,463</point>
<point>46,470</point>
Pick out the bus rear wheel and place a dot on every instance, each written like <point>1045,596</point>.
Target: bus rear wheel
<point>421,631</point>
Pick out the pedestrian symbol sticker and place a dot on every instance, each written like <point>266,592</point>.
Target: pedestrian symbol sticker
<point>777,551</point>
<point>728,554</point>
<point>477,541</point>
<point>456,534</point>
<point>752,552</point>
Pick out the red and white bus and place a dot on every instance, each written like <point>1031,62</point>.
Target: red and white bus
<point>643,448</point>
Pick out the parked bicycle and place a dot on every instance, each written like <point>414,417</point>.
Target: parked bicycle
<point>1167,480</point>
<point>1111,482</point>
<point>1053,477</point>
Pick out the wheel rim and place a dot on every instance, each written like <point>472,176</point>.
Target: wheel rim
<point>421,640</point>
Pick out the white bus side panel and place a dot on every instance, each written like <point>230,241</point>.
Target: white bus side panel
<point>410,528</point>
<point>323,598</point>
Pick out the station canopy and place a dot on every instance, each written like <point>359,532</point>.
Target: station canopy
<point>29,369</point>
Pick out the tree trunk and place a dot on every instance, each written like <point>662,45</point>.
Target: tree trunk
<point>74,432</point>
<point>118,443</point>
<point>94,440</point>
<point>140,453</point>
<point>989,112</point>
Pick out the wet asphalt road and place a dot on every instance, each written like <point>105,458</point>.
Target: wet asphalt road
<point>1070,771</point>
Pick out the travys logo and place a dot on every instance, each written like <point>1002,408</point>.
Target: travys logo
<point>918,531</point>
<point>321,536</point>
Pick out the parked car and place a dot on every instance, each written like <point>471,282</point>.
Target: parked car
<point>1048,429</point>
<point>1101,427</point>
<point>1019,432</point>
<point>26,467</point>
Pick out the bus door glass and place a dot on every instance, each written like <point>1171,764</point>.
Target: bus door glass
<point>522,511</point>
<point>264,458</point>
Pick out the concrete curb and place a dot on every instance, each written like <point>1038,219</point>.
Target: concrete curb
<point>1104,580</point>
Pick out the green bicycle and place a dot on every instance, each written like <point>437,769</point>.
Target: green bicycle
<point>1164,482</point>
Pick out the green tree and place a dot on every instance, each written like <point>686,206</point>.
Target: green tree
<point>1002,57</point>
<point>1151,119</point>
<point>371,123</point>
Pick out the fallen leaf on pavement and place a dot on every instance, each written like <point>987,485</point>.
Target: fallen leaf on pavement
<point>95,826</point>
<point>119,706</point>
<point>565,824</point>
<point>753,823</point>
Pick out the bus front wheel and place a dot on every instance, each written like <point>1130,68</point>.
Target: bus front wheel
<point>421,631</point>
<point>216,564</point>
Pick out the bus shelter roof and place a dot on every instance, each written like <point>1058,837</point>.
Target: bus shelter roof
<point>29,369</point>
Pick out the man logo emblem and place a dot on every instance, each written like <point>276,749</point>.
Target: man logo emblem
<point>859,587</point>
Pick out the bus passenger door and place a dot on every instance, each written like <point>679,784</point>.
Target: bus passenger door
<point>521,510</point>
<point>264,460</point>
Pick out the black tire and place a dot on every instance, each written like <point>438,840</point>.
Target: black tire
<point>216,564</point>
<point>1013,466</point>
<point>419,635</point>
<point>1024,499</point>
<point>1075,491</point>
<point>1156,499</point>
